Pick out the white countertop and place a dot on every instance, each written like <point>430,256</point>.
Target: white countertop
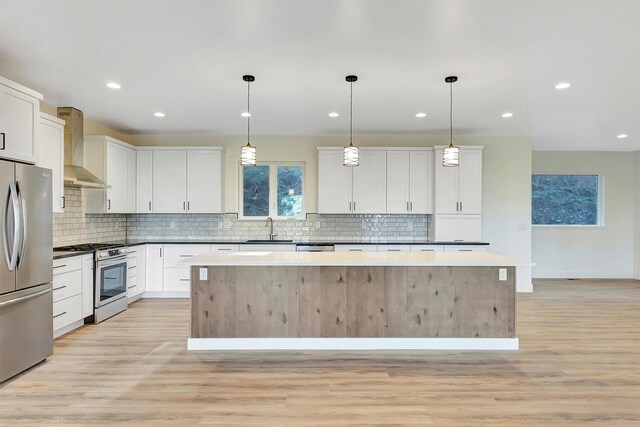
<point>410,259</point>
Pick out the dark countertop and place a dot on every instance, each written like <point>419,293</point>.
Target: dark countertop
<point>69,254</point>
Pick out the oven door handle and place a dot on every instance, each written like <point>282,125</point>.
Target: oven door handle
<point>112,261</point>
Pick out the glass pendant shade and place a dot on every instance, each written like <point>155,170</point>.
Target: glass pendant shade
<point>248,156</point>
<point>351,156</point>
<point>451,156</point>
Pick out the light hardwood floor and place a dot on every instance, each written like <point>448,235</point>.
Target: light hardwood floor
<point>579,365</point>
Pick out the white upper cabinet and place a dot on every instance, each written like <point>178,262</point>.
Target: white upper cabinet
<point>144,181</point>
<point>19,122</point>
<point>113,162</point>
<point>204,181</point>
<point>170,181</point>
<point>409,182</point>
<point>335,194</point>
<point>370,183</point>
<point>51,155</point>
<point>458,190</point>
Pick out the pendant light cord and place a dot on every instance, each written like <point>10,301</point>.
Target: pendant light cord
<point>248,111</point>
<point>451,114</point>
<point>351,116</point>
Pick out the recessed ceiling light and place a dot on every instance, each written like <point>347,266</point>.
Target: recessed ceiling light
<point>246,114</point>
<point>421,115</point>
<point>622,136</point>
<point>333,114</point>
<point>563,85</point>
<point>159,114</point>
<point>113,85</point>
<point>507,115</point>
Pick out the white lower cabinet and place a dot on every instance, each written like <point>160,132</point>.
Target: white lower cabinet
<point>135,272</point>
<point>458,228</point>
<point>225,248</point>
<point>465,248</point>
<point>67,295</point>
<point>177,279</point>
<point>87,285</point>
<point>267,248</point>
<point>154,267</point>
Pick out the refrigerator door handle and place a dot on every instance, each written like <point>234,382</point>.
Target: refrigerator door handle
<point>12,196</point>
<point>23,244</point>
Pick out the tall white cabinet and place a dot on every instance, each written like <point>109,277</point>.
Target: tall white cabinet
<point>458,196</point>
<point>19,122</point>
<point>51,155</point>
<point>144,181</point>
<point>410,181</point>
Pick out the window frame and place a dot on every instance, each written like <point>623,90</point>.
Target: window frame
<point>601,208</point>
<point>273,192</point>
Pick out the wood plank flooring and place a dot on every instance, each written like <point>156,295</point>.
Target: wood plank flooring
<point>579,365</point>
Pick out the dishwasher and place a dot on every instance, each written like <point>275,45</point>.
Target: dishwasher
<point>315,248</point>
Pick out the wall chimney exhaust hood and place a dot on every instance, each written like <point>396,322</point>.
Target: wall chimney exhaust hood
<point>75,174</point>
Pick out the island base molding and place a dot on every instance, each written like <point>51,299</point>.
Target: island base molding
<point>351,344</point>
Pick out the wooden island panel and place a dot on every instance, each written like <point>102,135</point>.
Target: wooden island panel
<point>339,301</point>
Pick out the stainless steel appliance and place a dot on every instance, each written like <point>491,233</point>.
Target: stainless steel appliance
<point>110,277</point>
<point>26,271</point>
<point>315,248</point>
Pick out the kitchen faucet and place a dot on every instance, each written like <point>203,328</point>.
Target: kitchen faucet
<point>270,223</point>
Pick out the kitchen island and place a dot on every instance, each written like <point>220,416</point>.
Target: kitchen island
<point>353,301</point>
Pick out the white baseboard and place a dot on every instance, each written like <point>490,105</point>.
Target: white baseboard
<point>253,344</point>
<point>583,275</point>
<point>168,294</point>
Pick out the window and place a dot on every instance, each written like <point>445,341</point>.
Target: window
<point>273,190</point>
<point>573,200</point>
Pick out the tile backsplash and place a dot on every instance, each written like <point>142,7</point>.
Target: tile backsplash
<point>74,226</point>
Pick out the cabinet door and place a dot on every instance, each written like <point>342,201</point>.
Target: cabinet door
<point>131,180</point>
<point>469,228</point>
<point>370,183</point>
<point>154,268</point>
<point>87,285</point>
<point>51,156</point>
<point>144,182</point>
<point>470,182</point>
<point>446,228</point>
<point>19,117</point>
<point>117,169</point>
<point>420,182</point>
<point>334,183</point>
<point>170,181</point>
<point>204,181</point>
<point>445,186</point>
<point>142,270</point>
<point>398,182</point>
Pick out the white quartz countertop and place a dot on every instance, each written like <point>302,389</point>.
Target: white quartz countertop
<point>410,259</point>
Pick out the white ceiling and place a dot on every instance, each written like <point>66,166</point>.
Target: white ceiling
<point>186,58</point>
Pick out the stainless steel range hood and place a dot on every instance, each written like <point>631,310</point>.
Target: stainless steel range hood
<point>75,174</point>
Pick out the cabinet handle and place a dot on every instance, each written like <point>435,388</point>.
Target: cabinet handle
<point>64,202</point>
<point>355,250</point>
<point>427,250</point>
<point>59,287</point>
<point>224,249</point>
<point>184,206</point>
<point>149,205</point>
<point>131,268</point>
<point>131,287</point>
<point>460,206</point>
<point>185,280</point>
<point>160,252</point>
<point>59,266</point>
<point>3,136</point>
<point>465,250</point>
<point>410,206</point>
<point>108,204</point>
<point>188,206</point>
<point>460,240</point>
<point>407,206</point>
<point>186,256</point>
<point>349,206</point>
<point>61,314</point>
<point>354,206</point>
<point>393,250</point>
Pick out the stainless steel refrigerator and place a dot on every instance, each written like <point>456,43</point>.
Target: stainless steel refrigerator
<point>26,270</point>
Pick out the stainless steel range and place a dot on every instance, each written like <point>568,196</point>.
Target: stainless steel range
<point>109,279</point>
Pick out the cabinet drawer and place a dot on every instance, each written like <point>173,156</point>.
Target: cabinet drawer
<point>132,270</point>
<point>67,264</point>
<point>177,279</point>
<point>132,261</point>
<point>174,254</point>
<point>394,248</point>
<point>67,311</point>
<point>356,248</point>
<point>132,286</point>
<point>67,284</point>
<point>224,248</point>
<point>427,248</point>
<point>465,248</point>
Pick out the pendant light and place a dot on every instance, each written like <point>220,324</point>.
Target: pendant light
<point>451,153</point>
<point>351,153</point>
<point>248,155</point>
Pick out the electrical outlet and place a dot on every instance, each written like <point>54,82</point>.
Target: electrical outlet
<point>502,274</point>
<point>317,224</point>
<point>172,224</point>
<point>204,273</point>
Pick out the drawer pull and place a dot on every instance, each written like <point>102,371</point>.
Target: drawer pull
<point>355,250</point>
<point>394,250</point>
<point>224,249</point>
<point>465,250</point>
<point>131,287</point>
<point>185,280</point>
<point>186,256</point>
<point>61,314</point>
<point>59,287</point>
<point>59,266</point>
<point>131,268</point>
<point>427,250</point>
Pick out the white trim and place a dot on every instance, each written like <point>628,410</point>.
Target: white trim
<point>582,274</point>
<point>333,148</point>
<point>178,147</point>
<point>166,294</point>
<point>51,118</point>
<point>20,88</point>
<point>251,344</point>
<point>66,329</point>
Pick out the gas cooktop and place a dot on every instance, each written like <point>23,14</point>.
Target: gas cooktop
<point>85,247</point>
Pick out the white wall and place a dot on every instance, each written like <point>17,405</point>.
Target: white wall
<point>506,181</point>
<point>596,252</point>
<point>636,232</point>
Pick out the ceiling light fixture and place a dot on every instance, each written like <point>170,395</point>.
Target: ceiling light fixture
<point>351,153</point>
<point>622,136</point>
<point>248,155</point>
<point>159,114</point>
<point>113,85</point>
<point>421,115</point>
<point>507,115</point>
<point>563,85</point>
<point>451,153</point>
<point>333,114</point>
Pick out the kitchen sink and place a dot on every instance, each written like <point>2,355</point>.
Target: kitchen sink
<point>268,241</point>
